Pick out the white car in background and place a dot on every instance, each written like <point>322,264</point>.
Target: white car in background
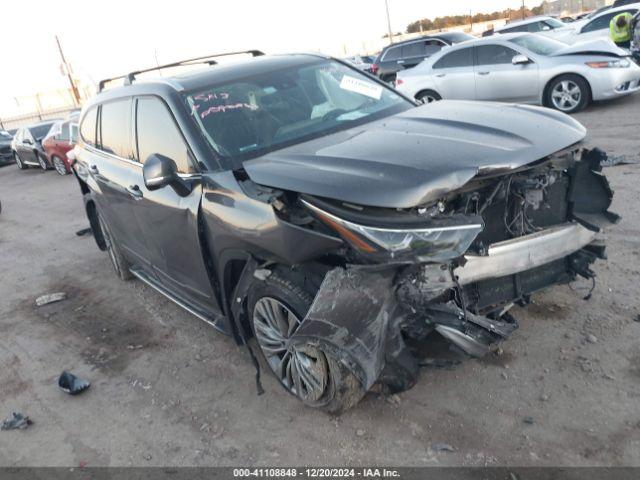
<point>362,62</point>
<point>595,27</point>
<point>543,25</point>
<point>524,68</point>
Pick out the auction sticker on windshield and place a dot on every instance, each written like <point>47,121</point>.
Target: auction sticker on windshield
<point>359,86</point>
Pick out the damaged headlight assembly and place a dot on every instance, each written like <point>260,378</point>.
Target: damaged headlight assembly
<point>440,241</point>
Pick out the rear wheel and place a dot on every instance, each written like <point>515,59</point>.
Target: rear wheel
<point>120,264</point>
<point>59,165</point>
<point>44,165</point>
<point>277,307</point>
<point>19,161</point>
<point>428,96</point>
<point>568,93</point>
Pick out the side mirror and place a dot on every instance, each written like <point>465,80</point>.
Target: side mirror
<point>520,60</point>
<point>160,171</point>
<point>546,28</point>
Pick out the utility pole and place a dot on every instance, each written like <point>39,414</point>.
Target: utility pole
<point>386,4</point>
<point>74,89</point>
<point>523,7</point>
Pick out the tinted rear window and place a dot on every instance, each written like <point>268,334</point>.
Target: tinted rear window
<point>458,58</point>
<point>40,131</point>
<point>115,128</point>
<point>391,54</point>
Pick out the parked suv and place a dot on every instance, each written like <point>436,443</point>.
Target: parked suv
<point>299,201</point>
<point>408,54</point>
<point>27,146</point>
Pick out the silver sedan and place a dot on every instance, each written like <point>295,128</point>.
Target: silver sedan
<point>524,68</point>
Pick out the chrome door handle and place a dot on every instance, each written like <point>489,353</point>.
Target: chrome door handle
<point>135,192</point>
<point>400,62</point>
<point>94,169</point>
<point>483,73</point>
<point>440,75</point>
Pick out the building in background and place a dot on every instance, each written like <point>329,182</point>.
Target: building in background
<point>572,7</point>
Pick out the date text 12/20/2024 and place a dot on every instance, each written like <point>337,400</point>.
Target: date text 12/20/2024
<point>316,472</point>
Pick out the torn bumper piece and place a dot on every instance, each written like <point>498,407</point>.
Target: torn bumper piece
<point>351,318</point>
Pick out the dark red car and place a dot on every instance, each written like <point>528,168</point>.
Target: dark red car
<point>59,141</point>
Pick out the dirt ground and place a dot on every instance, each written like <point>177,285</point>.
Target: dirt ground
<point>169,390</point>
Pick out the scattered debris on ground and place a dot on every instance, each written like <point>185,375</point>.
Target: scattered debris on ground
<point>613,160</point>
<point>17,421</point>
<point>84,231</point>
<point>529,420</point>
<point>442,447</point>
<point>71,384</point>
<point>50,298</point>
<point>444,363</point>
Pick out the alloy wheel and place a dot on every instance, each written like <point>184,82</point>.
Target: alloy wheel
<point>59,166</point>
<point>42,162</point>
<point>18,161</point>
<point>302,370</point>
<point>566,95</point>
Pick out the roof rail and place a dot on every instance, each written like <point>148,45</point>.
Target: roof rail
<point>130,77</point>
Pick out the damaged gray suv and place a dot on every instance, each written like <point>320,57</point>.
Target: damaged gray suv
<point>298,201</point>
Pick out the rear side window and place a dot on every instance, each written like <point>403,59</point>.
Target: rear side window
<point>88,127</point>
<point>393,53</point>
<point>494,55</point>
<point>115,128</point>
<point>64,132</point>
<point>158,133</point>
<point>416,49</point>
<point>458,58</point>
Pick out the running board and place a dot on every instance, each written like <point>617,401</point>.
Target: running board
<point>208,319</point>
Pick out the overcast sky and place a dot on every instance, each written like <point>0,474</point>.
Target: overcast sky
<point>110,37</point>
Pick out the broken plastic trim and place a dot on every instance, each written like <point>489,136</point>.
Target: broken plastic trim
<point>71,384</point>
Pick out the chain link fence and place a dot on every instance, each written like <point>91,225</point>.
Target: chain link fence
<point>10,123</point>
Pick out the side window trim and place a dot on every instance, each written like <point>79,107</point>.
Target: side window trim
<point>190,156</point>
<point>98,140</point>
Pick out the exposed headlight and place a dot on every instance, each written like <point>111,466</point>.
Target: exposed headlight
<point>435,243</point>
<point>611,64</point>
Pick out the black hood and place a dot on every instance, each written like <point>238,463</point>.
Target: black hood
<point>418,155</point>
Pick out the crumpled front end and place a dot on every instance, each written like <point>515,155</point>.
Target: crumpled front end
<point>456,266</point>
